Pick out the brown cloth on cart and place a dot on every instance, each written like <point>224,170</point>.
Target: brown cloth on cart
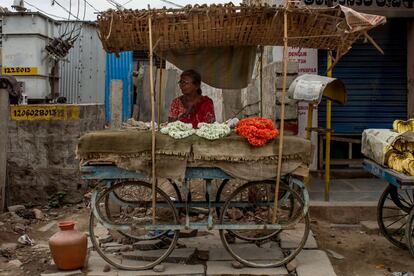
<point>222,67</point>
<point>131,149</point>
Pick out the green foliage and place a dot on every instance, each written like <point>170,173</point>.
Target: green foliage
<point>56,200</point>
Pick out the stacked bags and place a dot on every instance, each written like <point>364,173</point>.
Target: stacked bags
<point>401,156</point>
<point>393,148</point>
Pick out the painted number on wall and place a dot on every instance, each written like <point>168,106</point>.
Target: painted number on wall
<point>19,71</point>
<point>44,112</point>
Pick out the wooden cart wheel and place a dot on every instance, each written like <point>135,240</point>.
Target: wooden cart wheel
<point>409,231</point>
<point>239,234</point>
<point>113,196</point>
<point>135,212</point>
<point>242,207</point>
<point>393,209</point>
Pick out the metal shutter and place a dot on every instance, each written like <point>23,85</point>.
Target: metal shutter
<point>376,84</point>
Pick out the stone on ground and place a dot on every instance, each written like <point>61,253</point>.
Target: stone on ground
<point>179,255</point>
<point>248,252</point>
<point>221,268</point>
<point>170,269</point>
<point>48,226</point>
<point>15,208</point>
<point>11,246</point>
<point>15,263</point>
<point>188,233</point>
<point>292,265</point>
<point>150,245</point>
<point>77,272</point>
<point>370,226</point>
<point>314,262</point>
<point>203,243</point>
<point>290,238</point>
<point>334,254</point>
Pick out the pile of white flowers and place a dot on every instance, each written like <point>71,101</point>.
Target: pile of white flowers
<point>178,130</point>
<point>212,131</point>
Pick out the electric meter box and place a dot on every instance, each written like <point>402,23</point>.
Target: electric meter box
<point>24,38</point>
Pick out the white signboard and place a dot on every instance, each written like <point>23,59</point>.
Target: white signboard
<point>308,64</point>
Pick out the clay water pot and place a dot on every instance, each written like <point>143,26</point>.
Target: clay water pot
<point>68,246</point>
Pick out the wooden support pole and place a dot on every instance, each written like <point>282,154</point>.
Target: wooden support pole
<point>309,122</point>
<point>4,123</point>
<point>261,81</point>
<point>309,133</point>
<point>159,95</point>
<point>154,179</point>
<point>328,133</point>
<point>282,114</point>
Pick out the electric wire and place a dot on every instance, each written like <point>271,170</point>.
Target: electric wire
<point>110,2</point>
<point>90,5</point>
<point>69,12</point>
<point>74,24</point>
<point>126,2</point>
<point>79,30</point>
<point>116,4</point>
<point>49,14</point>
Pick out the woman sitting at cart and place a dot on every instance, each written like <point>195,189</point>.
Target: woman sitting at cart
<point>192,107</point>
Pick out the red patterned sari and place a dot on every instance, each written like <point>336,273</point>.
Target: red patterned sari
<point>201,112</point>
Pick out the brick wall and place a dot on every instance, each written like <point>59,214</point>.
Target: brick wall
<point>41,157</point>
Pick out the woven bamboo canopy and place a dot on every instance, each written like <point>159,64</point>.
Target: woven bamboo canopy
<point>229,25</point>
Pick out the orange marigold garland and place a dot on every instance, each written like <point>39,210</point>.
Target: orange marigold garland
<point>257,130</point>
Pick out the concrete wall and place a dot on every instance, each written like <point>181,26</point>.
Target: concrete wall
<point>272,89</point>
<point>41,157</point>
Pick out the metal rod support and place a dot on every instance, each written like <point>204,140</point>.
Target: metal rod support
<point>154,178</point>
<point>282,113</point>
<point>328,134</point>
<point>4,121</point>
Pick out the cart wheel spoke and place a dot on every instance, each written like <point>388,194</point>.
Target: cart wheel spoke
<point>129,205</point>
<point>402,215</point>
<point>252,204</point>
<point>409,197</point>
<point>410,231</point>
<point>392,214</point>
<point>398,220</point>
<point>263,235</point>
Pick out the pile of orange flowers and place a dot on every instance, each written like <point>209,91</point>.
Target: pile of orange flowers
<point>257,130</point>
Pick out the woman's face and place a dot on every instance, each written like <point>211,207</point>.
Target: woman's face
<point>187,86</point>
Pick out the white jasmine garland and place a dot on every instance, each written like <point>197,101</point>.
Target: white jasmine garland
<point>178,130</point>
<point>212,131</point>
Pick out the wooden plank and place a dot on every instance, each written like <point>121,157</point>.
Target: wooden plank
<point>4,121</point>
<point>115,104</point>
<point>391,176</point>
<point>342,139</point>
<point>351,162</point>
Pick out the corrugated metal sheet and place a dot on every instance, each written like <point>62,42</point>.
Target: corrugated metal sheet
<point>120,68</point>
<point>376,84</point>
<point>82,76</point>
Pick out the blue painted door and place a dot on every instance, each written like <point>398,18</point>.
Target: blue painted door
<point>376,84</point>
<point>120,68</point>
